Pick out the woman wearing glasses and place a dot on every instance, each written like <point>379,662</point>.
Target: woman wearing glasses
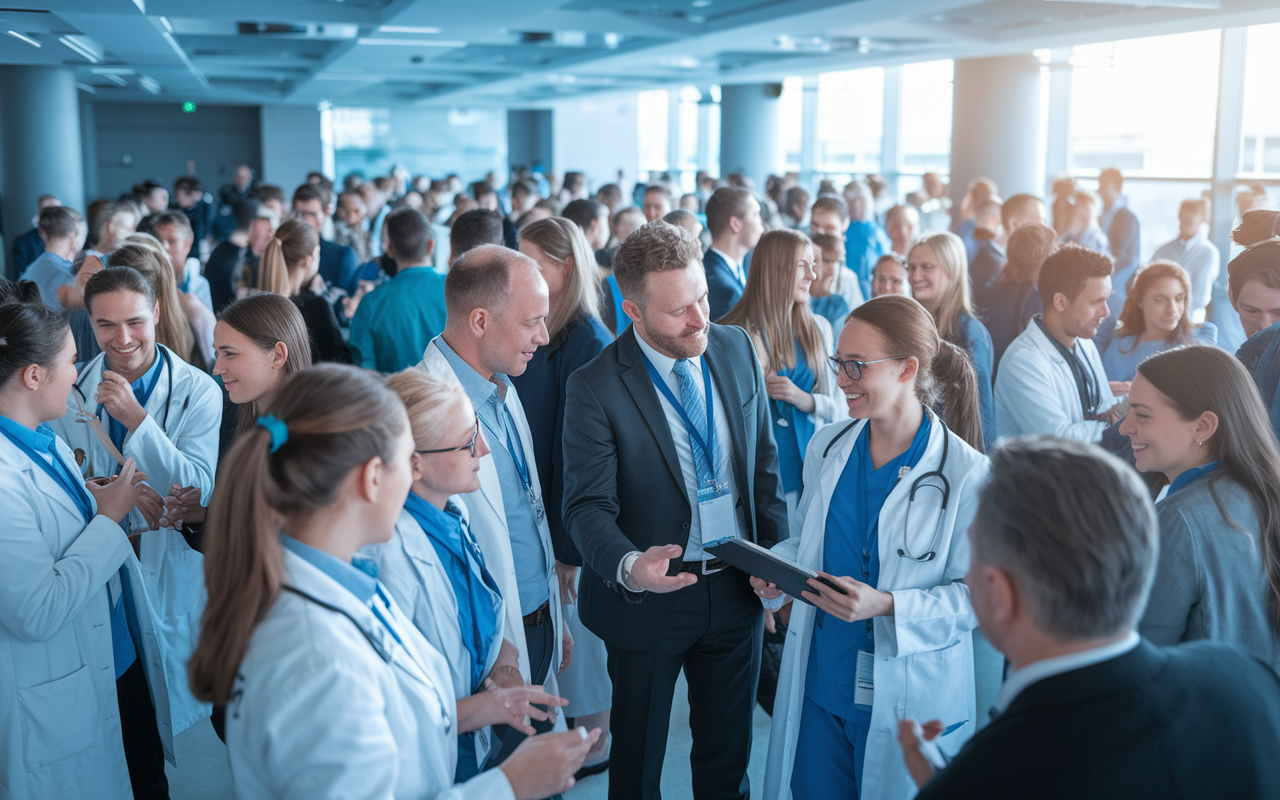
<point>889,498</point>
<point>792,343</point>
<point>434,570</point>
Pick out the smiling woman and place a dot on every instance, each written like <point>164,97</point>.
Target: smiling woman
<point>1155,318</point>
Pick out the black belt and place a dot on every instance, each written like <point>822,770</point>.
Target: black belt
<point>539,615</point>
<point>704,567</point>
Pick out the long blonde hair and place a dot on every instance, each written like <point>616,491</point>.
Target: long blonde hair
<point>143,252</point>
<point>337,417</point>
<point>293,241</point>
<point>958,301</point>
<point>768,310</point>
<point>562,239</point>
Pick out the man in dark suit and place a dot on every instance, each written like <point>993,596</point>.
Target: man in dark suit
<point>733,219</point>
<point>338,264</point>
<point>1089,709</point>
<point>653,471</point>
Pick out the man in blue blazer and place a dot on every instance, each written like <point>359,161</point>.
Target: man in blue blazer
<point>1089,709</point>
<point>733,218</point>
<point>651,478</point>
<point>338,264</point>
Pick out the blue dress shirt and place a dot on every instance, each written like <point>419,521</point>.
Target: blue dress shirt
<point>50,272</point>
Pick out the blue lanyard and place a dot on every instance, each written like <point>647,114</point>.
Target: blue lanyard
<point>61,475</point>
<point>373,606</point>
<point>513,447</point>
<point>117,429</point>
<point>708,447</point>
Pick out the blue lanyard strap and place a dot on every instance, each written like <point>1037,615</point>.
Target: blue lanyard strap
<point>708,447</point>
<point>61,475</point>
<point>373,606</point>
<point>514,446</point>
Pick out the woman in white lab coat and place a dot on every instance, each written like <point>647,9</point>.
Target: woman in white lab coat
<point>432,566</point>
<point>331,691</point>
<point>60,577</point>
<point>888,500</point>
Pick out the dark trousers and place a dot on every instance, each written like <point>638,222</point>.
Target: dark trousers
<point>143,751</point>
<point>541,643</point>
<point>715,634</point>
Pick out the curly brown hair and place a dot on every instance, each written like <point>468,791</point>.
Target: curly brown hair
<point>654,247</point>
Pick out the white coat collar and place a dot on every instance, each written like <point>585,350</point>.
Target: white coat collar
<point>11,455</point>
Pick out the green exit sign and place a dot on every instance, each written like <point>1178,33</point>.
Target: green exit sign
<point>189,107</point>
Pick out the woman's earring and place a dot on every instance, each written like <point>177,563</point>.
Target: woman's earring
<point>1200,444</point>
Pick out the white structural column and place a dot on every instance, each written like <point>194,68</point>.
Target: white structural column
<point>809,131</point>
<point>1226,146</point>
<point>750,140</point>
<point>995,129</point>
<point>1057,157</point>
<point>891,137</point>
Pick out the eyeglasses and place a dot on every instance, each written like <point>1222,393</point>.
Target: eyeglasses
<point>854,368</point>
<point>471,445</point>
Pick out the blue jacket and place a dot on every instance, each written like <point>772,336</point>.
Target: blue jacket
<point>1261,356</point>
<point>338,266</point>
<point>723,289</point>
<point>978,342</point>
<point>543,396</point>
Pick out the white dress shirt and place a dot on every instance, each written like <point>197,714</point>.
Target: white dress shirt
<point>665,365</point>
<point>1049,667</point>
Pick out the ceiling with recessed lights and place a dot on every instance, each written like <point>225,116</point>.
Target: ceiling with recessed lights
<point>533,52</point>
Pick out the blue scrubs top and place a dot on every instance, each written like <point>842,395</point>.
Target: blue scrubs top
<point>792,428</point>
<point>852,548</point>
<point>1190,475</point>
<point>142,389</point>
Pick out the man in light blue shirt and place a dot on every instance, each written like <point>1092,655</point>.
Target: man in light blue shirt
<point>497,304</point>
<point>63,231</point>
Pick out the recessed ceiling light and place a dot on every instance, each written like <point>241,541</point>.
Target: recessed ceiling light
<point>413,42</point>
<point>407,29</point>
<point>22,37</point>
<point>76,46</point>
<point>701,3</point>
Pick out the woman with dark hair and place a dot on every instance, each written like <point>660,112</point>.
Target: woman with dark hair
<point>1195,417</point>
<point>793,345</point>
<point>1155,317</point>
<point>938,269</point>
<point>71,668</point>
<point>891,495</point>
<point>332,689</point>
<point>290,267</point>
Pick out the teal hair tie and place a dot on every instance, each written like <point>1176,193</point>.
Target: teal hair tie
<point>278,430</point>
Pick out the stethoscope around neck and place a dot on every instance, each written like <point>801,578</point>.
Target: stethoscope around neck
<point>933,479</point>
<point>168,400</point>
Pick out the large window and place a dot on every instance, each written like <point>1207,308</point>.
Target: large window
<point>1147,106</point>
<point>791,122</point>
<point>1260,148</point>
<point>850,121</point>
<point>653,107</point>
<point>926,117</point>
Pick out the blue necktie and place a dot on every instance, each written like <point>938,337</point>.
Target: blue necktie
<point>696,411</point>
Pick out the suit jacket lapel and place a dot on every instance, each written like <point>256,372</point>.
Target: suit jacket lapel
<point>636,378</point>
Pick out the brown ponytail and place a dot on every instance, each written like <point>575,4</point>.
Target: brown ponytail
<point>338,417</point>
<point>945,379</point>
<point>293,241</point>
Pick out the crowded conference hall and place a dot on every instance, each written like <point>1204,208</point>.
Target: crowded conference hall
<point>639,399</point>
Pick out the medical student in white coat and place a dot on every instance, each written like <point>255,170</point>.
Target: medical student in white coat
<point>331,691</point>
<point>432,566</point>
<point>144,402</point>
<point>888,500</point>
<point>1051,381</point>
<point>70,586</point>
<point>497,304</point>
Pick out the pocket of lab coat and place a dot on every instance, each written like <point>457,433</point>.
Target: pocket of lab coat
<point>60,719</point>
<point>180,583</point>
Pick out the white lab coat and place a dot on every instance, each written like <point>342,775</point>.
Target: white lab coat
<point>924,652</point>
<point>410,570</point>
<point>59,718</point>
<point>176,444</point>
<point>1036,394</point>
<point>327,706</point>
<point>489,524</point>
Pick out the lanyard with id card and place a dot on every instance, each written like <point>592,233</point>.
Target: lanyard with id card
<point>715,501</point>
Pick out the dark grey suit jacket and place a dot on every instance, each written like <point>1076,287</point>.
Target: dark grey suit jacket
<point>623,486</point>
